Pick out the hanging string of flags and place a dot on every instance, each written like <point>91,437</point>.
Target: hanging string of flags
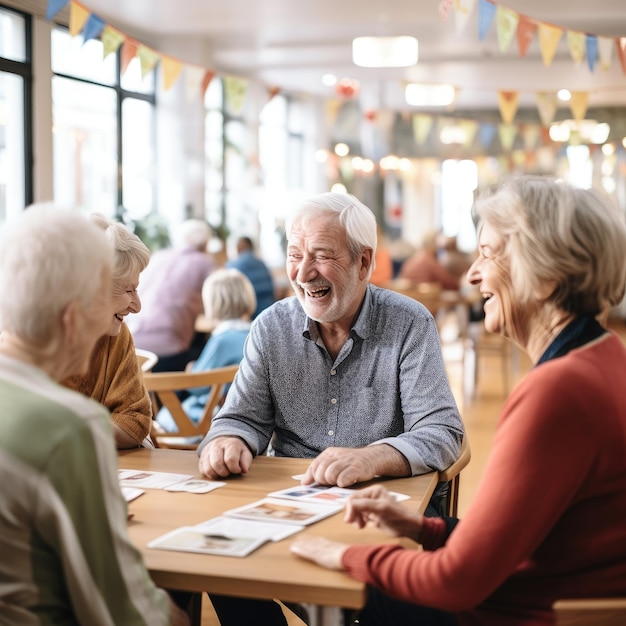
<point>510,24</point>
<point>197,79</point>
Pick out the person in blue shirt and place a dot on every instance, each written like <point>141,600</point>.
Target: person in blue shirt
<point>229,302</point>
<point>256,270</point>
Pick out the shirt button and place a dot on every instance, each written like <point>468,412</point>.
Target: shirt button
<point>331,432</point>
<point>334,401</point>
<point>333,372</point>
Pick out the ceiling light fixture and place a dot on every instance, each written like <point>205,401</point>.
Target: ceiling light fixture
<point>401,51</point>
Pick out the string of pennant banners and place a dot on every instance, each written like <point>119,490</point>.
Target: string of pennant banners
<point>84,22</point>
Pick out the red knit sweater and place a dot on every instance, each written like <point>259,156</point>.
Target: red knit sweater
<point>549,517</point>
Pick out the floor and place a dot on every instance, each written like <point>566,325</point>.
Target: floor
<point>479,405</point>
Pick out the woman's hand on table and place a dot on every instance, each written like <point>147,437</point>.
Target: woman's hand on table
<point>322,551</point>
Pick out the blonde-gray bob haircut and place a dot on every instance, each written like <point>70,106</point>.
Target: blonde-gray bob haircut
<point>357,220</point>
<point>228,294</point>
<point>49,257</point>
<point>555,232</point>
<point>131,254</point>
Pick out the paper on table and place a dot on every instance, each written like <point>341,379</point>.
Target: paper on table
<point>195,486</point>
<point>190,539</point>
<point>130,493</point>
<point>320,493</point>
<point>149,480</point>
<point>285,512</point>
<point>248,528</point>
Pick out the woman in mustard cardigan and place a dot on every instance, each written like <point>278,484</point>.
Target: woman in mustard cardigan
<point>114,377</point>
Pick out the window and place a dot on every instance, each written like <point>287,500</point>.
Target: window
<point>15,107</point>
<point>103,130</point>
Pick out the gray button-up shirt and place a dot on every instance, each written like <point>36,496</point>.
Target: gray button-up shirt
<point>387,385</point>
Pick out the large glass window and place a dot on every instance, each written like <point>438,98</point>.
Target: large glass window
<point>103,130</point>
<point>15,83</point>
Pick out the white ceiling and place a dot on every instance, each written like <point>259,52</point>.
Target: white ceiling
<point>292,43</point>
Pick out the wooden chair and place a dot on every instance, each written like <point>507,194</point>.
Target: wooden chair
<point>147,360</point>
<point>453,475</point>
<point>428,294</point>
<point>590,612</point>
<point>163,386</point>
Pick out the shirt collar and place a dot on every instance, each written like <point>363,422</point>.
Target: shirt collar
<point>235,324</point>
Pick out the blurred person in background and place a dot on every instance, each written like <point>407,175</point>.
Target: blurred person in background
<point>170,289</point>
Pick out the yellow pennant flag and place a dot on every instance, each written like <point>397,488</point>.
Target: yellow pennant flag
<point>469,128</point>
<point>506,25</point>
<point>235,92</point>
<point>507,134</point>
<point>577,43</point>
<point>547,103</point>
<point>78,17</point>
<point>605,51</point>
<point>518,157</point>
<point>549,37</point>
<point>171,69</point>
<point>508,101</point>
<point>112,39</point>
<point>462,11</point>
<point>332,107</point>
<point>578,104</point>
<point>422,125</point>
<point>148,58</point>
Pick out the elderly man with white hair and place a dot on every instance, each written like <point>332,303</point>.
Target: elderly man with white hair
<point>66,555</point>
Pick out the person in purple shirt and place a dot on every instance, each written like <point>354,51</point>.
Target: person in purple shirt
<point>171,293</point>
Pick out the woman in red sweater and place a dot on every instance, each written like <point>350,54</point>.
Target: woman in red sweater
<point>547,521</point>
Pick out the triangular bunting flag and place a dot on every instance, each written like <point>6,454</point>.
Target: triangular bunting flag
<point>546,105</point>
<point>605,52</point>
<point>54,6</point>
<point>620,42</point>
<point>530,135</point>
<point>507,134</point>
<point>206,81</point>
<point>170,70</point>
<point>592,51</point>
<point>129,52</point>
<point>111,39</point>
<point>93,27</point>
<point>469,128</point>
<point>463,10</point>
<point>578,104</point>
<point>526,30</point>
<point>272,92</point>
<point>78,17</point>
<point>486,12</point>
<point>577,45</point>
<point>444,10</point>
<point>506,25</point>
<point>193,80</point>
<point>486,132</point>
<point>508,101</point>
<point>148,58</point>
<point>549,37</point>
<point>333,106</point>
<point>235,92</point>
<point>422,125</point>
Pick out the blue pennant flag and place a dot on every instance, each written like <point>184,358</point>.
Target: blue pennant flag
<point>54,6</point>
<point>93,27</point>
<point>486,11</point>
<point>592,51</point>
<point>486,132</point>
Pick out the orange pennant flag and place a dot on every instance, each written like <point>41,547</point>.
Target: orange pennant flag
<point>577,43</point>
<point>273,91</point>
<point>620,42</point>
<point>578,104</point>
<point>506,25</point>
<point>78,17</point>
<point>171,69</point>
<point>508,101</point>
<point>546,105</point>
<point>526,30</point>
<point>129,51</point>
<point>206,81</point>
<point>549,37</point>
<point>507,134</point>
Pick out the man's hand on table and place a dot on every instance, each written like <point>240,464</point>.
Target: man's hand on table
<point>225,456</point>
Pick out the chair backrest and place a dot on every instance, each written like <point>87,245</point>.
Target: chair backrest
<point>428,294</point>
<point>452,475</point>
<point>585,612</point>
<point>163,386</point>
<point>147,360</point>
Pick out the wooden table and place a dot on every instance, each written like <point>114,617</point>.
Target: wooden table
<point>269,572</point>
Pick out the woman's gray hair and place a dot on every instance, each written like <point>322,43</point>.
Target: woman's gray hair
<point>557,233</point>
<point>192,233</point>
<point>228,294</point>
<point>357,220</point>
<point>49,257</point>
<point>131,254</point>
